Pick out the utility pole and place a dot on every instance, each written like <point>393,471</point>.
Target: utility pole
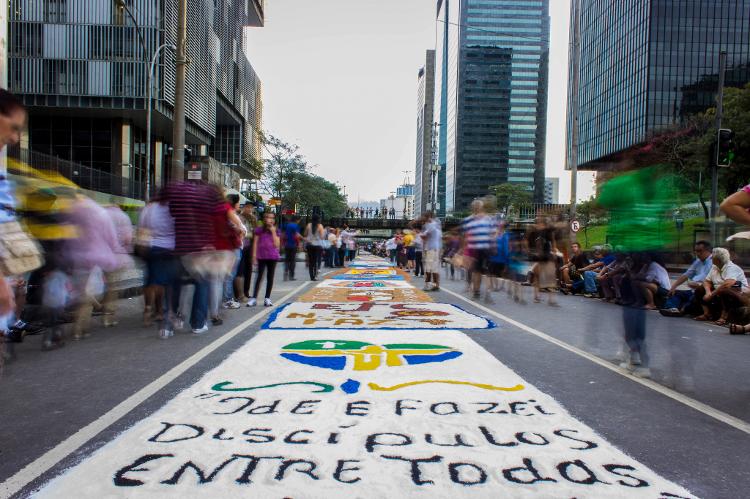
<point>715,157</point>
<point>178,131</point>
<point>573,156</point>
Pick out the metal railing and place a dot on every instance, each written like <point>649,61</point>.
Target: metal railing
<point>83,176</point>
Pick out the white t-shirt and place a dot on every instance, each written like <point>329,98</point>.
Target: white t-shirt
<point>730,271</point>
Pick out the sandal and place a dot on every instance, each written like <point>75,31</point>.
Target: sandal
<point>739,329</point>
<point>721,322</point>
<point>702,318</point>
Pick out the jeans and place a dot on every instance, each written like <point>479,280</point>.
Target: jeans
<point>681,299</point>
<point>392,255</point>
<point>418,264</point>
<point>634,320</point>
<point>199,313</point>
<point>229,281</point>
<point>589,281</point>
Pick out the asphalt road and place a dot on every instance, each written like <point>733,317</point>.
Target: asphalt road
<point>47,397</point>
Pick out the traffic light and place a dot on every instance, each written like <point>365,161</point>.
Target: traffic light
<point>725,148</point>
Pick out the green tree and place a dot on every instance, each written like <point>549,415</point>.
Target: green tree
<point>587,212</point>
<point>287,175</point>
<point>511,197</point>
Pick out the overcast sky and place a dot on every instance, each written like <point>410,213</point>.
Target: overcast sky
<point>340,80</point>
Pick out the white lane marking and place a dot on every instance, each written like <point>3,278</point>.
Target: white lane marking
<point>674,395</point>
<point>43,463</point>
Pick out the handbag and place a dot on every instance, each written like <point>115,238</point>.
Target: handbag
<point>19,253</point>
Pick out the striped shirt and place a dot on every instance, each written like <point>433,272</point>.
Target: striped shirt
<point>479,231</point>
<point>192,206</point>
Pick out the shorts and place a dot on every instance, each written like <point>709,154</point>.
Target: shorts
<point>161,267</point>
<point>481,260</point>
<point>431,261</point>
<point>497,269</point>
<point>412,253</point>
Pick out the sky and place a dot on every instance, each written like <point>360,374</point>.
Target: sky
<point>340,80</point>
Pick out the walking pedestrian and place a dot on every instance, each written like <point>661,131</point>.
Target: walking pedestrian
<point>314,236</point>
<point>266,244</point>
<point>291,243</point>
<point>478,238</point>
<point>432,235</point>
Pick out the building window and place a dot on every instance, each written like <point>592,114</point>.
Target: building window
<point>55,11</point>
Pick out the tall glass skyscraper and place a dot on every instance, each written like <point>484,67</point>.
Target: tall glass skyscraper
<point>649,64</point>
<point>491,96</point>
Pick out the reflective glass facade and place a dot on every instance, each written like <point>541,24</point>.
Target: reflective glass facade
<point>425,120</point>
<point>648,64</point>
<point>493,58</point>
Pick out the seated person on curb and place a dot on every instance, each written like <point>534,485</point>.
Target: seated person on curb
<point>725,287</point>
<point>611,277</point>
<point>602,258</point>
<point>651,282</point>
<point>571,271</point>
<point>680,300</point>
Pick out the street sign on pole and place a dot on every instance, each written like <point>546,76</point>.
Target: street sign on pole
<point>575,226</point>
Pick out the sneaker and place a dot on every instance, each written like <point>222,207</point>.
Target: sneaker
<point>671,312</point>
<point>202,330</point>
<point>252,302</point>
<point>635,358</point>
<point>267,302</point>
<point>165,334</point>
<point>427,288</point>
<point>642,372</point>
<point>234,304</point>
<point>216,321</point>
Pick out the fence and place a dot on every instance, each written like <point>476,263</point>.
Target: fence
<point>83,176</point>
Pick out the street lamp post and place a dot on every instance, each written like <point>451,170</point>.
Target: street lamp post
<point>173,48</point>
<point>124,7</point>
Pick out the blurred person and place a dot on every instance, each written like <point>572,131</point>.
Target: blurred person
<point>411,250</point>
<point>517,268</point>
<point>636,358</point>
<point>291,233</point>
<point>390,248</point>
<point>230,235</point>
<point>250,221</point>
<point>193,206</point>
<point>432,235</point>
<point>314,237</point>
<point>400,249</point>
<point>266,245</point>
<point>651,283</point>
<point>94,252</point>
<point>611,277</point>
<point>341,246</point>
<point>725,286</point>
<point>500,259</point>
<point>451,248</point>
<point>12,122</point>
<point>114,279</point>
<point>737,206</point>
<point>478,237</point>
<point>156,229</point>
<point>541,241</point>
<point>418,255</point>
<point>679,301</point>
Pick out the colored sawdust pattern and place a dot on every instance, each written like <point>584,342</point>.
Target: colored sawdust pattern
<point>483,386</point>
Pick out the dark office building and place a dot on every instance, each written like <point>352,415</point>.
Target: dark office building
<point>491,68</point>
<point>649,64</point>
<point>81,67</point>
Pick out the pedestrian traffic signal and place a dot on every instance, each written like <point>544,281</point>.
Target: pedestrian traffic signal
<point>725,148</point>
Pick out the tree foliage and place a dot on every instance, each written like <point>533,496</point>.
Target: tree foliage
<point>287,175</point>
<point>511,197</point>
